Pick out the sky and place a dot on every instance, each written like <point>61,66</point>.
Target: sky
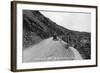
<point>71,20</point>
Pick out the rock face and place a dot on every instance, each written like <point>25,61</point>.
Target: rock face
<point>37,27</point>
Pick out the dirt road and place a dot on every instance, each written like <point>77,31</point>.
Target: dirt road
<point>50,50</point>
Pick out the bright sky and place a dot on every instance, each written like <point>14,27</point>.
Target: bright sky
<point>73,21</point>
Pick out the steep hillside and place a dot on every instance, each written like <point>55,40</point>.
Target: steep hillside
<point>37,27</point>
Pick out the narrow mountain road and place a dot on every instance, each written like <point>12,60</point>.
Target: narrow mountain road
<point>50,50</point>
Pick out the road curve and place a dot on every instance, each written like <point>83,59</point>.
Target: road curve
<point>50,50</point>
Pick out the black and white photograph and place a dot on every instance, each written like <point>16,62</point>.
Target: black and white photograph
<point>53,36</point>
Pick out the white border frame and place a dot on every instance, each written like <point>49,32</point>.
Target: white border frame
<point>34,65</point>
